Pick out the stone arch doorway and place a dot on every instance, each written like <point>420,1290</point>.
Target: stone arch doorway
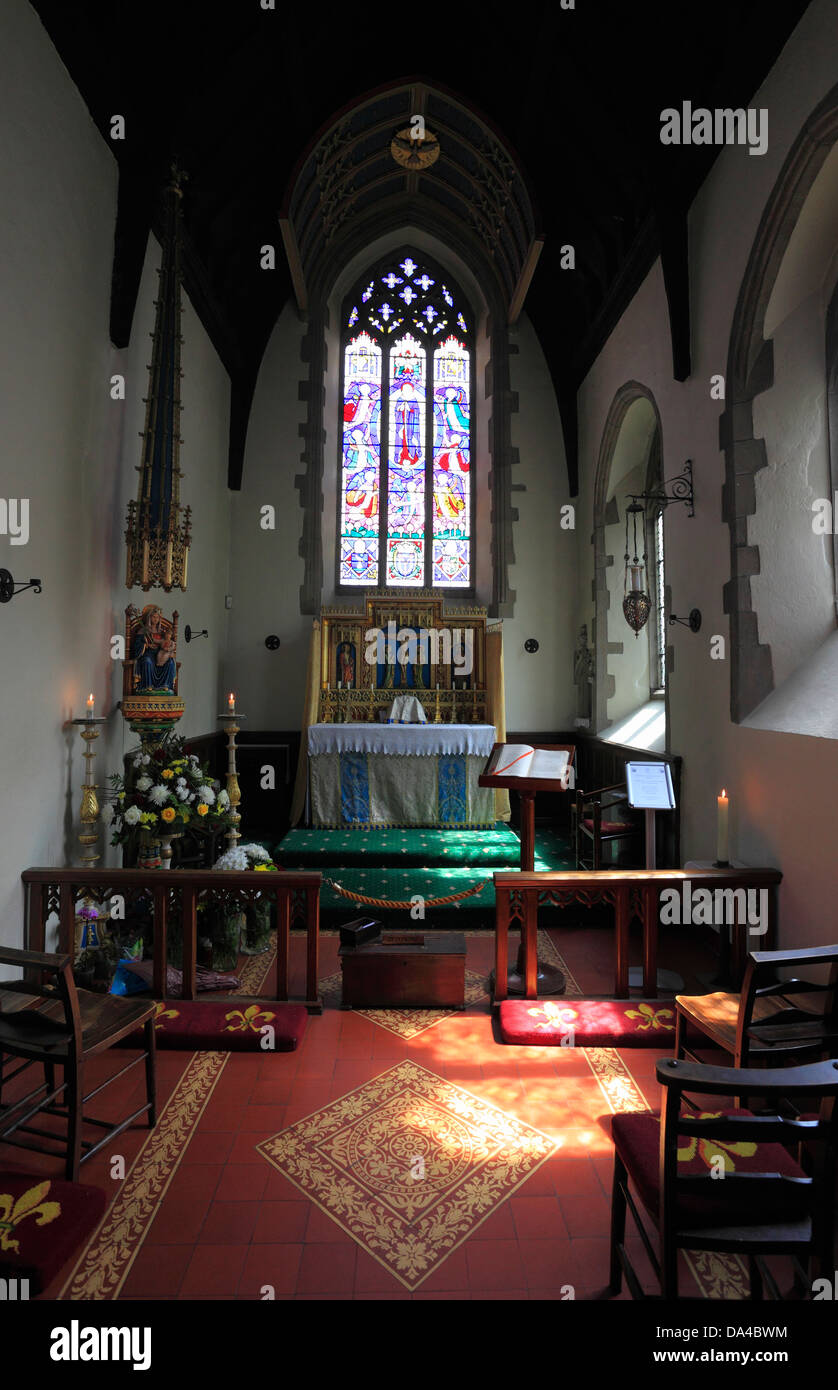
<point>631,448</point>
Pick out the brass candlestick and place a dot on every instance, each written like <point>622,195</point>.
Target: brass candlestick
<point>231,726</point>
<point>89,813</point>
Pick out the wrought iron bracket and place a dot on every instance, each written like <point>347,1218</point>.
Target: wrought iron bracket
<point>9,587</point>
<point>681,491</point>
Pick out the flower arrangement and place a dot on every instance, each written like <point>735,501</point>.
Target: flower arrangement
<point>170,791</point>
<point>250,856</point>
<point>249,928</point>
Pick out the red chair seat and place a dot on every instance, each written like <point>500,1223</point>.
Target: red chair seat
<point>611,827</point>
<point>637,1141</point>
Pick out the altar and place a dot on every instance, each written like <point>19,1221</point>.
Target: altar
<point>366,775</point>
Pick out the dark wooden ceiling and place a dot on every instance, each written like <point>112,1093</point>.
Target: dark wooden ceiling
<point>237,92</point>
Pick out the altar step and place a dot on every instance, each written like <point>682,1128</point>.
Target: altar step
<point>315,849</point>
<point>399,865</point>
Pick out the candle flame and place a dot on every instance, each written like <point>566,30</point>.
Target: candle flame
<point>724,793</point>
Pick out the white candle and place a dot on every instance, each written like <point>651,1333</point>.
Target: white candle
<point>338,685</point>
<point>722,842</point>
<point>231,702</point>
<point>90,706</point>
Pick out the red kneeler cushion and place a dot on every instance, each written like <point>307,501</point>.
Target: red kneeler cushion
<point>637,1141</point>
<point>594,1022</point>
<point>611,827</point>
<point>227,1026</point>
<point>43,1221</point>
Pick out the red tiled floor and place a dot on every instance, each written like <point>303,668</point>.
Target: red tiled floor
<point>538,1218</point>
<point>229,1225</point>
<point>494,1264</point>
<point>214,1269</point>
<point>281,1222</point>
<point>328,1268</point>
<point>271,1266</point>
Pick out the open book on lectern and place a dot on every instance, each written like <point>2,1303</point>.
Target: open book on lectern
<point>521,760</point>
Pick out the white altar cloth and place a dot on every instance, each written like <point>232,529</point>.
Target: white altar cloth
<point>429,740</point>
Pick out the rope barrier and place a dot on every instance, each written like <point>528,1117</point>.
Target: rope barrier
<point>395,903</point>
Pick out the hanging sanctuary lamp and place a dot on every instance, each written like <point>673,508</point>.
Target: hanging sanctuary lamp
<point>157,526</point>
<point>637,604</point>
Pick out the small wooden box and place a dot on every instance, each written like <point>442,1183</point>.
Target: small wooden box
<point>415,970</point>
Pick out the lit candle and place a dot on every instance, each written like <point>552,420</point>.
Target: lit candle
<point>231,702</point>
<point>338,685</point>
<point>722,846</point>
<point>90,706</point>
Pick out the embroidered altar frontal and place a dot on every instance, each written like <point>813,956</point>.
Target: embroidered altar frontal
<point>382,789</point>
<point>390,775</point>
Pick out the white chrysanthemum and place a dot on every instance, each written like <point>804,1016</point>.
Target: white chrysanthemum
<point>257,852</point>
<point>193,759</point>
<point>143,784</point>
<point>223,801</point>
<point>146,759</point>
<point>232,859</point>
<point>159,794</point>
<point>206,793</point>
<point>132,815</point>
<point>138,761</point>
<point>182,793</point>
<point>107,813</point>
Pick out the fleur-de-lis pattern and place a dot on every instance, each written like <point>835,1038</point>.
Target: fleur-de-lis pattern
<point>161,1012</point>
<point>14,1210</point>
<point>651,1018</point>
<point>709,1150</point>
<point>253,1018</point>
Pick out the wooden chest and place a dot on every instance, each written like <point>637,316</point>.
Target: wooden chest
<point>415,970</point>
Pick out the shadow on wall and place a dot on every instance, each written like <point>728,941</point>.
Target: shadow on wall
<point>807,703</point>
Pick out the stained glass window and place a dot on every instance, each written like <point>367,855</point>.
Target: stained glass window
<point>406,492</point>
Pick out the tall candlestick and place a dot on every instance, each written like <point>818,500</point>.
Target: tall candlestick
<point>722,838</point>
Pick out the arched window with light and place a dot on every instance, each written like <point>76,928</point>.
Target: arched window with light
<point>405,500</point>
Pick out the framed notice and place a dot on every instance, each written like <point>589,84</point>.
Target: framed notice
<point>650,786</point>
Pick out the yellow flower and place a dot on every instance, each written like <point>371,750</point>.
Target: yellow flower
<point>202,808</point>
<point>168,813</point>
<point>167,774</point>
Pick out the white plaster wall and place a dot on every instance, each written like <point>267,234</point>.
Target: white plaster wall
<point>540,694</point>
<point>793,592</point>
<point>71,450</point>
<point>777,782</point>
<point>266,568</point>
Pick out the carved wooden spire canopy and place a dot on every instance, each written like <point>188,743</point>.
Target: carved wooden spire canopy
<point>158,527</point>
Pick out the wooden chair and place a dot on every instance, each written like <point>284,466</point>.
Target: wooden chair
<point>593,826</point>
<point>770,1021</point>
<point>56,1024</point>
<point>764,1204</point>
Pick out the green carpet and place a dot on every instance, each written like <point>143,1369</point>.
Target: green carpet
<point>402,864</point>
<point>314,849</point>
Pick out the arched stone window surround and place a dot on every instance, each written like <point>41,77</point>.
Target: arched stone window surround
<point>340,201</point>
<point>750,371</point>
<point>604,684</point>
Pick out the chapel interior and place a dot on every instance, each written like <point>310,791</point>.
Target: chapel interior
<point>418,588</point>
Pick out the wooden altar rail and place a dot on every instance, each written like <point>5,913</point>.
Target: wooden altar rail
<point>631,893</point>
<point>58,890</point>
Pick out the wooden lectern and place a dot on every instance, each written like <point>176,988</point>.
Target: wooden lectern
<point>550,980</point>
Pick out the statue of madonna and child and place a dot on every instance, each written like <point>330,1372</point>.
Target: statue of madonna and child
<point>153,653</point>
